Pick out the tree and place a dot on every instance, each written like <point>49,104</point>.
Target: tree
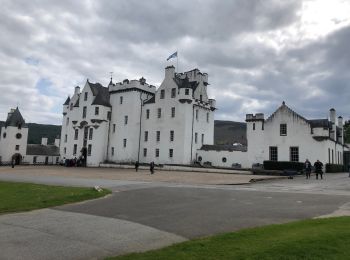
<point>347,132</point>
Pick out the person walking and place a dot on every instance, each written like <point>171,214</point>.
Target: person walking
<point>318,169</point>
<point>307,169</point>
<point>151,167</point>
<point>137,166</point>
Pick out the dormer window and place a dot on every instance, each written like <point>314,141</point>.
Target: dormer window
<point>187,91</point>
<point>162,94</point>
<point>283,129</point>
<point>85,96</point>
<point>97,111</point>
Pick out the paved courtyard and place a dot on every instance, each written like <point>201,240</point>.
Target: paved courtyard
<point>146,212</point>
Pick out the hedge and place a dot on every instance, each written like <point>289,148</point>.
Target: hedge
<point>334,167</point>
<point>283,165</point>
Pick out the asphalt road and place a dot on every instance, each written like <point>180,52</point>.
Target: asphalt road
<point>140,216</point>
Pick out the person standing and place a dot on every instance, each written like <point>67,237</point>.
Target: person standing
<point>137,166</point>
<point>307,169</point>
<point>318,169</point>
<point>151,167</point>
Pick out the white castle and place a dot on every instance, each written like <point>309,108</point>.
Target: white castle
<point>133,121</point>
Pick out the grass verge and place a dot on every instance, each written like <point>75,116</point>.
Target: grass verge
<point>308,239</point>
<point>15,197</point>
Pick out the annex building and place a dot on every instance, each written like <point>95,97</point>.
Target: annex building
<point>14,145</point>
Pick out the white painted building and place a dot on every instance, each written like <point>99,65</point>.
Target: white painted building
<point>284,136</point>
<point>133,121</point>
<point>14,147</point>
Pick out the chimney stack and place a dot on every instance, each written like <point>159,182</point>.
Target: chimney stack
<point>332,115</point>
<point>44,141</point>
<point>340,121</point>
<point>57,141</point>
<point>170,72</point>
<point>77,90</point>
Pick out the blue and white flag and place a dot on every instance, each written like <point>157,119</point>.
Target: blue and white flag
<point>174,55</point>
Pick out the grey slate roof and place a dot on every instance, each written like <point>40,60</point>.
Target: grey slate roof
<point>185,83</point>
<point>101,94</point>
<point>66,103</point>
<point>150,101</point>
<point>15,119</point>
<point>315,123</point>
<point>223,147</point>
<point>39,149</point>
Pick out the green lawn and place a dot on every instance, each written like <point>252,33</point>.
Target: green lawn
<point>16,197</point>
<point>308,239</point>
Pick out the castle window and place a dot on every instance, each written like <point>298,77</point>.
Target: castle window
<point>253,126</point>
<point>224,159</point>
<point>120,100</point>
<point>157,152</point>
<point>171,153</point>
<point>158,136</point>
<point>147,114</point>
<point>67,121</point>
<point>89,150</point>
<point>200,98</point>
<point>144,152</point>
<point>90,133</point>
<point>85,96</point>
<point>124,143</point>
<point>173,92</point>
<point>146,136</point>
<point>112,151</point>
<point>197,114</point>
<point>202,138</point>
<point>84,112</point>
<point>17,147</point>
<point>187,91</point>
<point>162,94</point>
<point>171,135</point>
<point>97,110</point>
<point>283,129</point>
<point>76,133</point>
<point>195,137</point>
<point>109,115</point>
<point>159,112</point>
<point>273,153</point>
<point>294,154</point>
<point>113,128</point>
<point>65,150</point>
<point>207,117</point>
<point>18,136</point>
<point>75,147</point>
<point>173,112</point>
<point>125,120</point>
<point>65,138</point>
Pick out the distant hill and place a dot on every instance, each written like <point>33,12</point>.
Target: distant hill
<point>36,131</point>
<point>229,132</point>
<point>225,132</point>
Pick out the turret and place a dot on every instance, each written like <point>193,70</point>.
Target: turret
<point>332,116</point>
<point>77,90</point>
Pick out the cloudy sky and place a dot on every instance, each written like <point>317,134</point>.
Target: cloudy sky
<point>257,53</point>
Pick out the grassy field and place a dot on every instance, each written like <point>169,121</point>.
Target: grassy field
<point>16,197</point>
<point>309,239</point>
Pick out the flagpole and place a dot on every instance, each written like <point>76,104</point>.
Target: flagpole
<point>177,61</point>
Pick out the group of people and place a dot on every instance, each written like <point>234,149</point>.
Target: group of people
<point>318,169</point>
<point>75,162</point>
<point>151,167</point>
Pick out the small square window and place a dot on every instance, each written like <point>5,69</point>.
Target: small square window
<point>273,153</point>
<point>89,150</point>
<point>195,137</point>
<point>162,94</point>
<point>144,152</point>
<point>158,136</point>
<point>187,91</point>
<point>124,143</point>
<point>171,153</point>
<point>125,120</point>
<point>171,135</point>
<point>85,96</point>
<point>157,152</point>
<point>112,151</point>
<point>159,112</point>
<point>17,148</point>
<point>113,128</point>
<point>97,111</point>
<point>294,154</point>
<point>146,136</point>
<point>147,114</point>
<point>121,100</point>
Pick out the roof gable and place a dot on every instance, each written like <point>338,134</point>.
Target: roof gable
<point>15,119</point>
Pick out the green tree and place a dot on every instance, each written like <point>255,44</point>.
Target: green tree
<point>347,132</point>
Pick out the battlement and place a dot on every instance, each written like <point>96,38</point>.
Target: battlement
<point>132,84</point>
<point>254,118</point>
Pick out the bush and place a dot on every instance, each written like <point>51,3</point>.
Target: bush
<point>280,165</point>
<point>334,167</point>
